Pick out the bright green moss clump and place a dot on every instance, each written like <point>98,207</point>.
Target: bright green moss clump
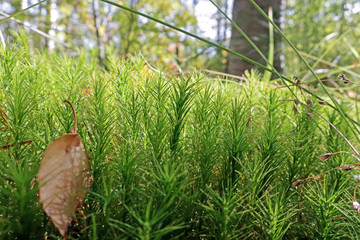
<point>172,157</point>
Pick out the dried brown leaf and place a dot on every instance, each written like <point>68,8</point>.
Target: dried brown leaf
<point>64,178</point>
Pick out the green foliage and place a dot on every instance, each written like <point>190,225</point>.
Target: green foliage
<point>123,33</point>
<point>183,157</point>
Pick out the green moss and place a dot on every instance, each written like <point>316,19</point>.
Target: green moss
<point>172,157</point>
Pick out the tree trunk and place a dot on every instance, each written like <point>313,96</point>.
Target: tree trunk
<point>256,27</point>
<point>101,46</point>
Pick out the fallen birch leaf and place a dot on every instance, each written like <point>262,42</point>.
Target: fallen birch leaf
<point>64,178</point>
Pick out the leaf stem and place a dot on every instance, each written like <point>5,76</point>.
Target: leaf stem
<point>75,119</point>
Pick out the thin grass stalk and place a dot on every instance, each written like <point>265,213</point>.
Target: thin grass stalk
<point>267,74</point>
<point>21,11</point>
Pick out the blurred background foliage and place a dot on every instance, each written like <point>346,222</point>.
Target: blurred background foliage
<point>326,31</point>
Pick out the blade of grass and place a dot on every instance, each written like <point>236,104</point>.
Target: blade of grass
<point>21,11</point>
<point>267,74</point>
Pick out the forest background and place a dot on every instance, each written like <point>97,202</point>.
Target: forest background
<point>322,27</point>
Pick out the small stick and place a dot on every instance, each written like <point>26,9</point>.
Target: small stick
<point>74,113</point>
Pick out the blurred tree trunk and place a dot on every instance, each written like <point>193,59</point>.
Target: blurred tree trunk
<point>50,23</point>
<point>256,27</point>
<point>97,22</point>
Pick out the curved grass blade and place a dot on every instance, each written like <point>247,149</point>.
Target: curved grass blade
<point>21,11</point>
<point>267,74</point>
